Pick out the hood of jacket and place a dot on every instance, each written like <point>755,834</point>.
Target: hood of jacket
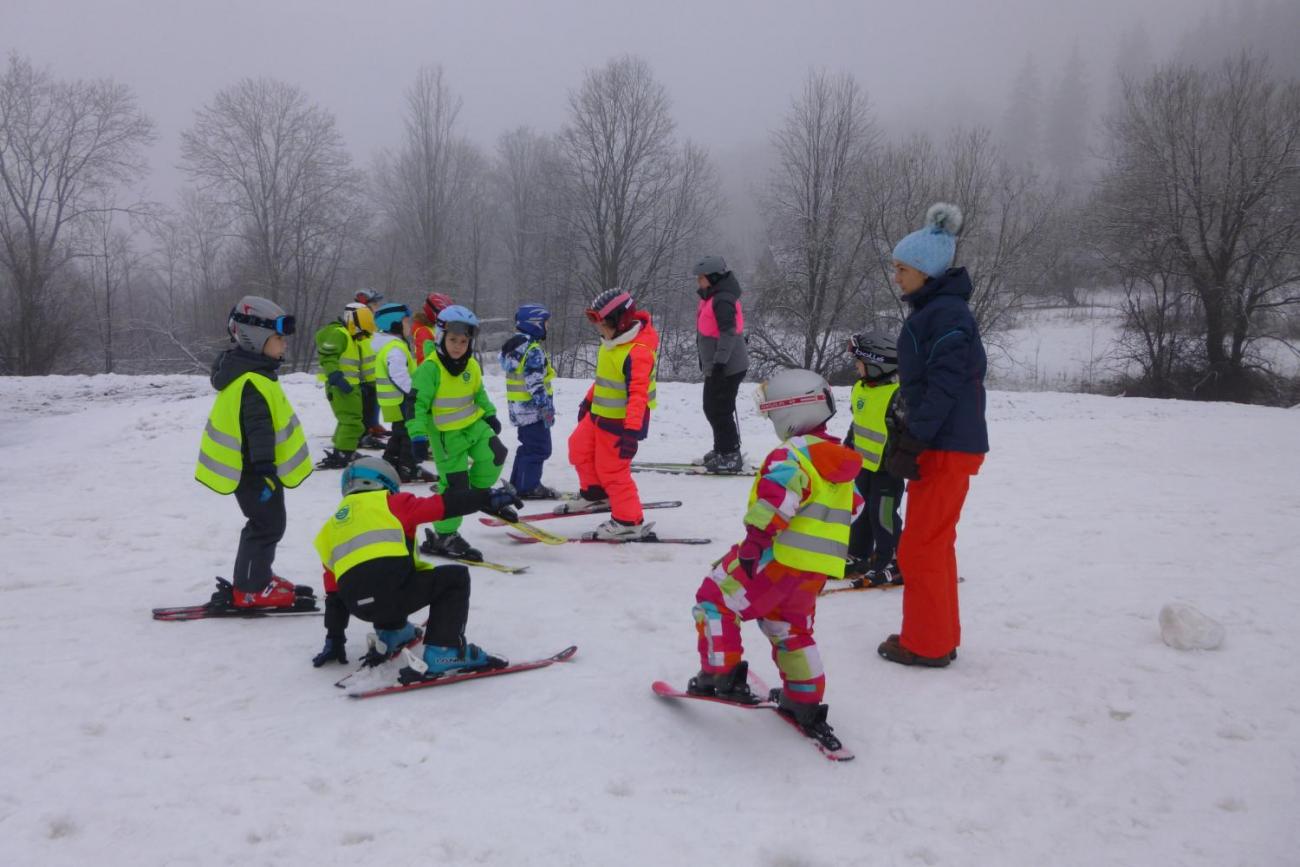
<point>954,281</point>
<point>234,363</point>
<point>728,287</point>
<point>834,461</point>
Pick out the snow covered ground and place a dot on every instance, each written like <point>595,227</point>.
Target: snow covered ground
<point>1066,734</point>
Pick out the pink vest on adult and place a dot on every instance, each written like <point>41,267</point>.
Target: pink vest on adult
<point>706,323</point>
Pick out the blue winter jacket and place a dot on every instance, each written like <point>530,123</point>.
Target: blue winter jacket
<point>941,366</point>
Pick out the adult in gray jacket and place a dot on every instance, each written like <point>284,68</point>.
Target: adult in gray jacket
<point>720,339</point>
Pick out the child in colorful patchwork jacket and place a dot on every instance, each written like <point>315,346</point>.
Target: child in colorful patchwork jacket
<point>796,536</point>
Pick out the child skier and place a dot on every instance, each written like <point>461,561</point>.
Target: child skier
<point>339,349</point>
<point>369,400</point>
<point>254,447</point>
<point>796,536</point>
<point>367,549</point>
<point>615,415</point>
<point>455,418</point>
<point>394,367</point>
<point>422,334</point>
<point>531,400</point>
<point>875,409</point>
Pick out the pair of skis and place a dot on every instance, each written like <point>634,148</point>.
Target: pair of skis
<point>222,605</point>
<point>526,533</point>
<point>680,469</point>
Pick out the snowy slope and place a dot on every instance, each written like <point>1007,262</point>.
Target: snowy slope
<point>1066,734</point>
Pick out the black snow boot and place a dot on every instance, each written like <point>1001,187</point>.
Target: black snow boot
<point>730,686</point>
<point>452,546</point>
<point>541,492</point>
<point>336,460</point>
<point>811,719</point>
<point>726,462</point>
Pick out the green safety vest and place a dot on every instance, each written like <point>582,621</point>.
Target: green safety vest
<point>453,405</point>
<point>870,403</point>
<point>609,396</point>
<point>362,529</point>
<point>221,456</point>
<point>515,388</point>
<point>389,395</point>
<point>817,538</point>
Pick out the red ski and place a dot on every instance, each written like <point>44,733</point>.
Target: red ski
<point>599,510</point>
<point>563,656</point>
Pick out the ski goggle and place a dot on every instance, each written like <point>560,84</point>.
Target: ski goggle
<point>282,325</point>
<point>619,300</point>
<point>766,406</point>
<point>459,328</point>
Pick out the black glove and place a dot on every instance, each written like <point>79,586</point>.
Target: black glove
<point>901,461</point>
<point>339,381</point>
<point>583,409</point>
<point>501,500</point>
<point>493,422</point>
<point>420,449</point>
<point>627,445</point>
<point>719,371</point>
<point>335,650</point>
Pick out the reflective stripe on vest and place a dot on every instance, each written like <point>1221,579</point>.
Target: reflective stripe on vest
<point>367,360</point>
<point>361,529</point>
<point>221,458</point>
<point>516,389</point>
<point>609,396</point>
<point>453,404</point>
<point>870,403</point>
<point>350,361</point>
<point>385,389</point>
<point>817,538</point>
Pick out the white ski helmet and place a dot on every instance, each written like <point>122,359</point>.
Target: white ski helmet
<point>254,320</point>
<point>795,401</point>
<point>369,474</point>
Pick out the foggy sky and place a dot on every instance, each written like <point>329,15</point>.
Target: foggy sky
<point>730,67</point>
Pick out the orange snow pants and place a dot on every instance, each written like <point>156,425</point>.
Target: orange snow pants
<point>594,454</point>
<point>927,552</point>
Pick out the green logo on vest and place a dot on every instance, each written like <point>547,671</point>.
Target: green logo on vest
<point>342,514</point>
<point>465,376</point>
<point>861,403</point>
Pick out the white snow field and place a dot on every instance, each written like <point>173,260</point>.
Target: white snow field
<point>1066,734</point>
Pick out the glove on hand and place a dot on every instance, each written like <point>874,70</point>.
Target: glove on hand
<point>420,449</point>
<point>269,487</point>
<point>747,555</point>
<point>583,409</point>
<point>493,422</point>
<point>339,381</point>
<point>548,417</point>
<point>335,650</point>
<point>502,499</point>
<point>719,371</point>
<point>627,445</point>
<point>901,462</point>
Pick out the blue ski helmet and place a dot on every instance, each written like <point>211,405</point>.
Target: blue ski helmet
<point>458,320</point>
<point>369,474</point>
<point>388,318</point>
<point>531,319</point>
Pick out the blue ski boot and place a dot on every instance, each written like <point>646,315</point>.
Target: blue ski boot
<point>438,661</point>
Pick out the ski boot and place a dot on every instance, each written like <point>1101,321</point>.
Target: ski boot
<point>732,686</point>
<point>336,460</point>
<point>590,498</point>
<point>385,644</point>
<point>437,661</point>
<point>710,455</point>
<point>727,463</point>
<point>408,475</point>
<point>887,574</point>
<point>452,546</point>
<point>615,530</point>
<point>378,431</point>
<point>277,594</point>
<point>372,443</point>
<point>856,569</point>
<point>541,492</point>
<point>811,719</point>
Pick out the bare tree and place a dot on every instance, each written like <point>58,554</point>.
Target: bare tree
<point>64,145</point>
<point>819,239</point>
<point>276,164</point>
<point>1207,163</point>
<point>636,200</point>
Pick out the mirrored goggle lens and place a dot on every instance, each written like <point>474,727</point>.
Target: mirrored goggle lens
<point>460,328</point>
<point>285,325</point>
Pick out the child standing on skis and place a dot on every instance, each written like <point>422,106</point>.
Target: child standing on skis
<point>340,350</point>
<point>531,400</point>
<point>455,419</point>
<point>796,536</point>
<point>615,415</point>
<point>254,447</point>
<point>875,410</point>
<point>367,549</point>
<point>394,367</point>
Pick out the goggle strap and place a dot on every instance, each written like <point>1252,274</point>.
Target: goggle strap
<point>769,405</point>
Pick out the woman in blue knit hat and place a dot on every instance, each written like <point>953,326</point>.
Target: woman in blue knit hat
<point>941,366</point>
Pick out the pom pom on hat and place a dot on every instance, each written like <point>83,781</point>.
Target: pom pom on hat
<point>931,249</point>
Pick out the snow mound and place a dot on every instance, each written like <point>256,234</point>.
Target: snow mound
<point>1183,627</point>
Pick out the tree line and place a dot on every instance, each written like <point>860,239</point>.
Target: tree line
<point>1185,203</point>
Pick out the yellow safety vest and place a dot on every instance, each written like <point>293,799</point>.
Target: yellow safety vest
<point>362,529</point>
<point>221,457</point>
<point>389,395</point>
<point>869,431</point>
<point>516,390</point>
<point>454,406</point>
<point>609,397</point>
<point>817,538</point>
<point>367,359</point>
<point>349,361</point>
